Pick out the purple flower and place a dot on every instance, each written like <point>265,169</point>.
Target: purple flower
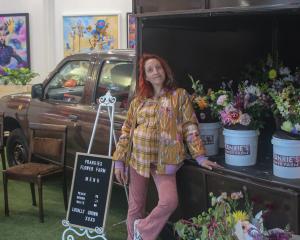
<point>278,234</point>
<point>255,234</point>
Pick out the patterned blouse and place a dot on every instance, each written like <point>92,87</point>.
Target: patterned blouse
<point>145,138</point>
<point>155,132</point>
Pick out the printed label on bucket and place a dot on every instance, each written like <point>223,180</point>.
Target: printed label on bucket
<point>208,139</point>
<point>241,150</point>
<point>286,161</point>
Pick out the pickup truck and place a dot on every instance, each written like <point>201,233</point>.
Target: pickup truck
<point>68,96</point>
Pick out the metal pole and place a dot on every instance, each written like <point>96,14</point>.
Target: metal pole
<point>94,129</point>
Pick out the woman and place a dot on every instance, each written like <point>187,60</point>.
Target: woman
<point>159,118</point>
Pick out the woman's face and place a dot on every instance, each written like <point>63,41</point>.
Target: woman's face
<point>154,72</point>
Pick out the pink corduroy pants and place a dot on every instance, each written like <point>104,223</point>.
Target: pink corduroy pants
<point>150,226</point>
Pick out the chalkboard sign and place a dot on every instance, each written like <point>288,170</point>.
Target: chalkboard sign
<point>90,191</point>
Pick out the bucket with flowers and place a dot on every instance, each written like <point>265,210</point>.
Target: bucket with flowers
<point>209,124</point>
<point>286,143</point>
<point>282,86</point>
<point>241,114</point>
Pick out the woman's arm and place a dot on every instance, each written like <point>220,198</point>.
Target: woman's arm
<point>190,128</point>
<point>122,145</point>
<point>191,134</point>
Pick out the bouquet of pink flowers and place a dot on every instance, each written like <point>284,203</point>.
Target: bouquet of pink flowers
<point>243,109</point>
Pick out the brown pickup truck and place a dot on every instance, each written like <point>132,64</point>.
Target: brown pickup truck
<point>68,96</point>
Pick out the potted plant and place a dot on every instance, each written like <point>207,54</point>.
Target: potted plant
<point>230,217</point>
<point>286,143</point>
<point>282,87</point>
<point>241,114</point>
<point>209,124</point>
<point>18,76</point>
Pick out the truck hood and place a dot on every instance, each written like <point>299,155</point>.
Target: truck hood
<point>15,101</point>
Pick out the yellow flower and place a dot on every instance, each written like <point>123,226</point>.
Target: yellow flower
<point>240,216</point>
<point>201,103</point>
<point>272,74</point>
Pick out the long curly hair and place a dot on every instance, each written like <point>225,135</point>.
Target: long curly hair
<point>145,89</point>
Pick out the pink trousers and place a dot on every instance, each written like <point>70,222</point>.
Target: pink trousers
<point>150,226</point>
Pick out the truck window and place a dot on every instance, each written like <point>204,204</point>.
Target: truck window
<point>116,76</point>
<point>67,85</point>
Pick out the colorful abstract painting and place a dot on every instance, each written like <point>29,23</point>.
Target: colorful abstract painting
<point>14,41</point>
<point>131,31</point>
<point>90,33</point>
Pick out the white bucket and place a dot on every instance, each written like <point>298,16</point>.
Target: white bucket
<point>286,158</point>
<point>240,147</point>
<point>209,133</point>
<point>221,137</point>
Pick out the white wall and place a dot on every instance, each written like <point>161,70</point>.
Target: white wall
<point>38,33</point>
<point>45,20</point>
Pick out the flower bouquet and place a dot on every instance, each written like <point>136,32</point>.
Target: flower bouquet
<point>243,110</point>
<point>242,114</point>
<point>209,123</point>
<point>230,217</point>
<point>274,79</point>
<point>287,107</point>
<point>270,74</point>
<point>202,101</point>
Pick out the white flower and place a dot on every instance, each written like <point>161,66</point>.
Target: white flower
<point>297,126</point>
<point>288,78</point>
<point>284,71</point>
<point>254,90</point>
<point>245,119</point>
<point>221,100</point>
<point>213,201</point>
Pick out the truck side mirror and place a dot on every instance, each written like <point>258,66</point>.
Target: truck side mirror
<point>37,91</point>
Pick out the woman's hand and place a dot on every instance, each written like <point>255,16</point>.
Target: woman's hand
<point>121,175</point>
<point>209,164</point>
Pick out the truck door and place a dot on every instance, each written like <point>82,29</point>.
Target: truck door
<point>62,100</point>
<point>116,76</point>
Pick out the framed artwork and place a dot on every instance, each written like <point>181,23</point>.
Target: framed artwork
<point>131,30</point>
<point>88,33</point>
<point>14,40</point>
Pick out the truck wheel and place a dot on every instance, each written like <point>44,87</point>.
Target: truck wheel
<point>16,148</point>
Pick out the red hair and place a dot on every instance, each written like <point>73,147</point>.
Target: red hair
<point>145,88</point>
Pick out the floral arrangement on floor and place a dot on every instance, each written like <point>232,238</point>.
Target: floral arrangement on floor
<point>229,218</point>
<point>244,109</point>
<point>202,102</point>
<point>18,76</point>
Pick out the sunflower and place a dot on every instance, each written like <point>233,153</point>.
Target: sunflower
<point>240,216</point>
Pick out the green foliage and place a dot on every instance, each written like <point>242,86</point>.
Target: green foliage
<point>19,76</point>
<point>287,106</point>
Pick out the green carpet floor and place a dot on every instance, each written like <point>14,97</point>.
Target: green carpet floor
<point>23,222</point>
